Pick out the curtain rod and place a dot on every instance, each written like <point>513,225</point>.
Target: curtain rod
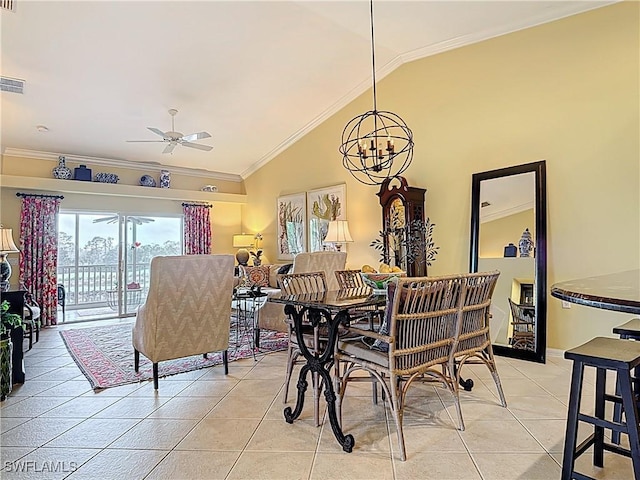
<point>207,205</point>
<point>38,195</point>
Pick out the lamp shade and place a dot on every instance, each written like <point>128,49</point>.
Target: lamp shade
<point>243,240</point>
<point>6,241</point>
<point>338,232</point>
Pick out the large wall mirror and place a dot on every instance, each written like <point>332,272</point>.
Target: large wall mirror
<point>509,234</point>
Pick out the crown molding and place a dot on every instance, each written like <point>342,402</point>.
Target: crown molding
<point>112,162</point>
<point>506,212</point>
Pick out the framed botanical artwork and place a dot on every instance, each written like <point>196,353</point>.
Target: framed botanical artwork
<point>324,205</point>
<point>292,224</point>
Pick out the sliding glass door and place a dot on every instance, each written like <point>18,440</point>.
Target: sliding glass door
<point>103,260</point>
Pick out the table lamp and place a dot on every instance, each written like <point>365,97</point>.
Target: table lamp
<point>242,241</point>
<point>7,246</point>
<point>338,233</point>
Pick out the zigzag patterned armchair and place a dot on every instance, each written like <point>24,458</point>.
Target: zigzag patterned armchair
<point>187,310</point>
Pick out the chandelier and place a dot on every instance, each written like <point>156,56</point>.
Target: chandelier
<point>377,144</point>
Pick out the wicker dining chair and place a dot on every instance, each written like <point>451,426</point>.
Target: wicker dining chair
<point>426,317</point>
<point>523,336</point>
<point>294,284</point>
<point>352,280</point>
<point>474,344</point>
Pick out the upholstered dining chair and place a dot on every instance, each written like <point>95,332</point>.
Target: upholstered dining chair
<point>426,317</point>
<point>523,336</point>
<point>294,284</point>
<point>187,310</point>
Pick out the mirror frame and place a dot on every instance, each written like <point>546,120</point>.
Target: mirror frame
<point>539,168</point>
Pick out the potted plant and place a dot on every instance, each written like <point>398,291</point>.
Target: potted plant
<point>8,322</point>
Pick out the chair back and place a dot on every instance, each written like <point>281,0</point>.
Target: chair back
<point>327,262</point>
<point>424,316</point>
<point>298,283</point>
<point>349,279</point>
<point>188,307</point>
<point>476,302</point>
<point>522,319</point>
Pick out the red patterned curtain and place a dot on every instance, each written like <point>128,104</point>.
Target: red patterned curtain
<point>197,228</point>
<point>39,248</point>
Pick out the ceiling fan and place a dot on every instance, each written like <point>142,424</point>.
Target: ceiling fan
<point>173,138</point>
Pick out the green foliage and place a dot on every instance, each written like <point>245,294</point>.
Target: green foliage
<point>8,320</point>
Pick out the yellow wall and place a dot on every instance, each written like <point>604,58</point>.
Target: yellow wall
<point>566,92</point>
<point>497,234</point>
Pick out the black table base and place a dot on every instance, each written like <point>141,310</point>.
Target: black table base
<point>319,363</point>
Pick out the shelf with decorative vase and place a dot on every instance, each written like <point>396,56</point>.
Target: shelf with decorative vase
<point>97,188</point>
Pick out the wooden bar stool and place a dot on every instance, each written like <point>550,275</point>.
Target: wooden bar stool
<point>604,354</point>
<point>629,330</point>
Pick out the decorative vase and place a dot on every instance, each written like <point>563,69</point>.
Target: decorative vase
<point>6,350</point>
<point>62,172</point>
<point>526,244</point>
<point>82,173</point>
<point>165,179</point>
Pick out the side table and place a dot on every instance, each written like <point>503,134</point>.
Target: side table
<point>248,303</point>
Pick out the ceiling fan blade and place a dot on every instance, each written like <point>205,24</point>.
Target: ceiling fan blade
<point>145,141</point>
<point>157,131</point>
<point>110,219</point>
<point>196,136</point>
<point>197,145</point>
<point>169,148</point>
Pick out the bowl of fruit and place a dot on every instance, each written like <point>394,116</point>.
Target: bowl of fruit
<point>379,279</point>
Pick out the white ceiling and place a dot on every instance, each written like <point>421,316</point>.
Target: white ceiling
<point>256,75</point>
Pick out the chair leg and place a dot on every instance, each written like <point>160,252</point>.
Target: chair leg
<point>396,404</point>
<point>631,413</point>
<point>225,361</point>
<point>136,360</point>
<point>155,376</point>
<point>571,434</point>
<point>291,361</point>
<point>494,373</point>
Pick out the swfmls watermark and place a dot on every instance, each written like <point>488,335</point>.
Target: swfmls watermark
<point>33,466</point>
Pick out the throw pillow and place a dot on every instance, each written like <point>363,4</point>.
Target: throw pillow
<point>386,321</point>
<point>255,276</point>
<point>284,269</point>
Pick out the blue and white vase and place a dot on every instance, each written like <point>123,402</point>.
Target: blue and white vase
<point>147,181</point>
<point>525,245</point>
<point>165,179</point>
<point>62,172</point>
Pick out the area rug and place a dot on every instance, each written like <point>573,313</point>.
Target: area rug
<point>105,354</point>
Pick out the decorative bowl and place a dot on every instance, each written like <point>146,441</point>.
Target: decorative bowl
<point>378,281</point>
<point>147,181</point>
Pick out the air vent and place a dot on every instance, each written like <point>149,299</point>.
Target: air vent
<point>8,5</point>
<point>13,85</point>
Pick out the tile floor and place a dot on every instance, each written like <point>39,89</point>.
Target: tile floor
<point>205,425</point>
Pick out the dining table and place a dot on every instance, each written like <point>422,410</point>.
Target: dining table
<point>618,291</point>
<point>329,309</point>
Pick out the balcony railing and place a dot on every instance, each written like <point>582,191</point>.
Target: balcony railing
<point>88,286</point>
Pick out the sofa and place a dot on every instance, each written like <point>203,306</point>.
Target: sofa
<point>271,316</point>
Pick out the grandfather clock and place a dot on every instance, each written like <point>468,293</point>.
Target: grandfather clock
<point>403,225</point>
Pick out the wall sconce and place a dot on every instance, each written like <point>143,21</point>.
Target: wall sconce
<point>242,241</point>
<point>338,233</point>
<point>7,246</point>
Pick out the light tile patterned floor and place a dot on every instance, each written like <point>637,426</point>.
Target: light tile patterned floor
<point>205,425</point>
